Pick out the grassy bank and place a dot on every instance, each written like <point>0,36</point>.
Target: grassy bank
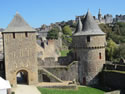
<point>81,90</point>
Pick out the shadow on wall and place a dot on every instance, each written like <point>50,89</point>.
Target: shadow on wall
<point>45,78</point>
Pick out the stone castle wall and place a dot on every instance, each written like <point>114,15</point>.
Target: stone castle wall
<point>20,54</point>
<point>113,76</point>
<point>64,73</point>
<point>114,79</point>
<point>49,61</point>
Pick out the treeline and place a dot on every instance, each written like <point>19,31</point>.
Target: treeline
<point>115,36</point>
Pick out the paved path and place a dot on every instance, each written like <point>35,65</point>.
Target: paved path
<point>25,89</point>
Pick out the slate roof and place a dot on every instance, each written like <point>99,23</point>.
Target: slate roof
<point>79,26</point>
<point>1,29</point>
<point>89,27</point>
<point>18,24</point>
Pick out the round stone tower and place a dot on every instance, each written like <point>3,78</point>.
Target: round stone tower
<point>89,48</point>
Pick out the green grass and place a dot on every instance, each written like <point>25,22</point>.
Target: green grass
<point>81,90</point>
<point>64,52</point>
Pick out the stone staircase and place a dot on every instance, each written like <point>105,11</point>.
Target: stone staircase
<point>52,75</point>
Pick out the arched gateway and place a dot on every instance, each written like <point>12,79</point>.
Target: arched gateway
<point>22,77</point>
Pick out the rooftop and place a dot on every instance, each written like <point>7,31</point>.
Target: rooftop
<point>18,24</point>
<point>89,26</point>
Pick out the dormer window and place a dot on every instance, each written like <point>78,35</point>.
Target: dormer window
<point>88,38</point>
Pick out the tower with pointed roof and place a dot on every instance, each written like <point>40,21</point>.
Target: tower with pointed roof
<point>89,48</point>
<point>20,52</point>
<point>99,15</point>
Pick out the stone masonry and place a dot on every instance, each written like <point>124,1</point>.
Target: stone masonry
<point>89,48</point>
<point>20,51</point>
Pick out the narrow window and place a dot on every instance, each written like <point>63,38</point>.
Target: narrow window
<point>14,35</point>
<point>88,38</point>
<point>100,56</point>
<point>26,34</point>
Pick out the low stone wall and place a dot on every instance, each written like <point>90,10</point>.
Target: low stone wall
<point>50,61</point>
<point>61,87</point>
<point>65,60</point>
<point>114,67</point>
<point>113,92</point>
<point>113,79</point>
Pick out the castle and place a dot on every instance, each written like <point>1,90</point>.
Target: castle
<point>21,64</point>
<point>106,19</point>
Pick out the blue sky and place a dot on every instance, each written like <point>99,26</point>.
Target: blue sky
<point>38,12</point>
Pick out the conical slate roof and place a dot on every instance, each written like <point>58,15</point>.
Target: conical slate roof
<point>90,27</point>
<point>79,26</point>
<point>18,24</point>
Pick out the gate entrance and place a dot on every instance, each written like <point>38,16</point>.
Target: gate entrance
<point>22,77</point>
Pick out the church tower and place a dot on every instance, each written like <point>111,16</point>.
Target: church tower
<point>99,15</point>
<point>89,48</point>
<point>20,52</point>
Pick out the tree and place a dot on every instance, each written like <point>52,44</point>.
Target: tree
<point>67,30</point>
<point>67,33</point>
<point>111,49</point>
<point>120,51</point>
<point>105,28</point>
<point>53,33</point>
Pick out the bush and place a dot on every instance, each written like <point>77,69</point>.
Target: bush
<point>67,30</point>
<point>53,33</point>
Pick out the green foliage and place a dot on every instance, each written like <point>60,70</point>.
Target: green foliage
<point>120,52</point>
<point>116,37</point>
<point>53,33</point>
<point>81,90</point>
<point>67,40</point>
<point>118,33</point>
<point>111,49</point>
<point>64,52</point>
<point>67,30</point>
<point>119,28</point>
<point>116,29</point>
<point>66,37</point>
<point>105,28</point>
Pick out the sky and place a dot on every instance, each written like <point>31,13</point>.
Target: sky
<point>38,12</point>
